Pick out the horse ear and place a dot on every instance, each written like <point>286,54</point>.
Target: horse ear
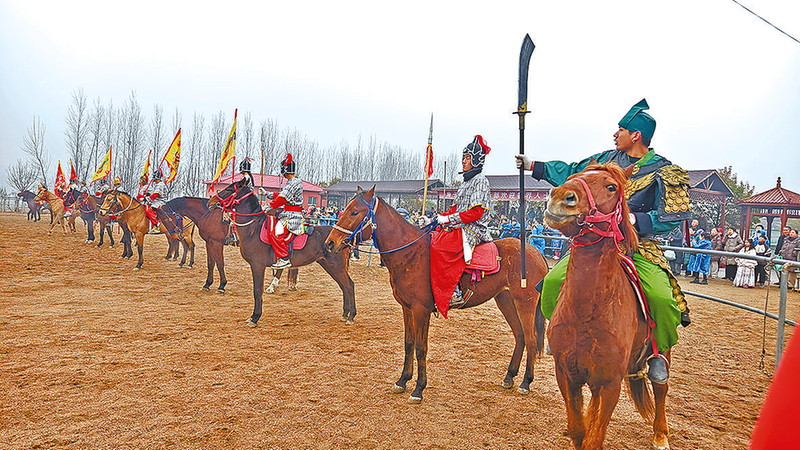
<point>370,193</point>
<point>629,170</point>
<point>359,190</point>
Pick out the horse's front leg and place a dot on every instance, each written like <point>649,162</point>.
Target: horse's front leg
<point>139,248</point>
<point>660,429</point>
<point>219,258</point>
<point>185,251</point>
<point>408,361</point>
<point>210,266</point>
<point>258,270</point>
<point>420,329</point>
<point>276,279</point>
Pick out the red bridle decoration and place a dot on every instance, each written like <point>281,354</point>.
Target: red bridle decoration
<point>614,218</point>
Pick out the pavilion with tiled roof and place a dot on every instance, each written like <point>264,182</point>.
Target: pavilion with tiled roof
<point>777,202</point>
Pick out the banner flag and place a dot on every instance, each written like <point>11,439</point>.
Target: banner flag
<point>60,180</point>
<point>173,157</point>
<point>73,177</point>
<point>104,169</point>
<point>229,152</point>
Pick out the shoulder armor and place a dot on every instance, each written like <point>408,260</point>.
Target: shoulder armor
<point>674,204</point>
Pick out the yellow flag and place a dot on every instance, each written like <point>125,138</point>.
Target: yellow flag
<point>173,157</point>
<point>104,169</point>
<point>229,152</point>
<point>146,171</point>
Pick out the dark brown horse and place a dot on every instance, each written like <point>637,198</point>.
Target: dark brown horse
<point>214,230</point>
<point>409,274</point>
<point>34,208</point>
<point>93,203</point>
<point>597,333</point>
<point>248,218</point>
<point>87,206</point>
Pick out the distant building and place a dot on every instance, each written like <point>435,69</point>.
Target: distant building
<point>313,195</point>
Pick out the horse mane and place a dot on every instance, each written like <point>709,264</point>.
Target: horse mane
<point>630,241</point>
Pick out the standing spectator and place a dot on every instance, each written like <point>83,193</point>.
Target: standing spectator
<point>731,243</point>
<point>675,239</point>
<point>690,236</point>
<point>789,252</point>
<point>784,234</point>
<point>716,244</point>
<point>745,272</point>
<point>700,262</point>
<point>538,230</point>
<point>762,249</point>
<point>759,232</point>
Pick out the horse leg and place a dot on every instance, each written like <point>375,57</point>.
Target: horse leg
<point>210,266</point>
<point>293,279</point>
<point>572,394</point>
<point>185,251</point>
<point>258,289</point>
<point>506,304</point>
<point>421,323</point>
<point>336,266</point>
<point>601,407</point>
<point>660,429</point>
<point>408,361</point>
<point>140,243</point>
<point>90,232</point>
<point>219,257</point>
<point>276,280</point>
<point>191,257</point>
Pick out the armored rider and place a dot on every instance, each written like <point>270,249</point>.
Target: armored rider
<point>154,196</point>
<point>657,194</point>
<point>290,219</point>
<point>466,225</point>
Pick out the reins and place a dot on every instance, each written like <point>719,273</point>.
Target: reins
<point>587,222</point>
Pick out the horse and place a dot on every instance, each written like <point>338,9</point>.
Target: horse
<point>34,208</point>
<point>177,229</point>
<point>56,209</point>
<point>405,250</point>
<point>598,335</point>
<point>240,200</point>
<point>93,203</point>
<point>214,230</point>
<point>138,224</point>
<point>74,199</point>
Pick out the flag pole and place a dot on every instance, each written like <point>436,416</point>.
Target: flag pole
<point>428,160</point>
<point>522,108</point>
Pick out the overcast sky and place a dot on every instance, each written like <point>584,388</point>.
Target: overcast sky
<point>723,86</point>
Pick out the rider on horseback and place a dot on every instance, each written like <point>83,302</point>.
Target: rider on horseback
<point>290,220</point>
<point>657,194</point>
<point>467,225</point>
<point>154,198</point>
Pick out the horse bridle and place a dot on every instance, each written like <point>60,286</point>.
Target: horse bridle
<point>118,203</point>
<point>229,203</point>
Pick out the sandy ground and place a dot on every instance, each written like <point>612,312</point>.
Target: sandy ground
<point>95,355</point>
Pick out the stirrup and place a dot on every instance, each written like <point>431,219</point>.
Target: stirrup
<point>458,300</point>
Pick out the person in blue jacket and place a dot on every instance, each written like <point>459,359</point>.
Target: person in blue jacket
<point>701,262</point>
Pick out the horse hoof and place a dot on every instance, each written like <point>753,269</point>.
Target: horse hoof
<point>398,389</point>
<point>292,288</point>
<point>349,322</point>
<point>414,400</point>
<point>137,268</point>
<point>204,289</point>
<point>220,291</point>
<point>270,290</point>
<point>658,447</point>
<point>251,324</point>
<point>523,391</point>
<point>343,319</point>
<point>508,384</point>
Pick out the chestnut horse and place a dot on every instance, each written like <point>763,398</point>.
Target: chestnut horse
<point>33,206</point>
<point>56,209</point>
<point>405,250</point>
<point>132,212</point>
<point>248,218</point>
<point>598,334</point>
<point>214,230</point>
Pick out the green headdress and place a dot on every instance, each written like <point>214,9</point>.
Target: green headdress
<point>638,120</point>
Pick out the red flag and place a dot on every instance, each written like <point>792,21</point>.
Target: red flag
<point>73,177</point>
<point>60,180</point>
<point>429,160</point>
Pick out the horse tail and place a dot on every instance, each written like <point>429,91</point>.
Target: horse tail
<point>640,394</point>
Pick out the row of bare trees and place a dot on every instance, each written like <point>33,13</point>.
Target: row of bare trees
<point>93,128</point>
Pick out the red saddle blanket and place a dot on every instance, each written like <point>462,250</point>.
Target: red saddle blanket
<point>486,258</point>
<point>268,233</point>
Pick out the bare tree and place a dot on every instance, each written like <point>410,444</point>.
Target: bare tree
<point>76,134</point>
<point>157,136</point>
<point>33,145</point>
<point>128,159</point>
<point>268,143</point>
<point>193,162</point>
<point>247,142</point>
<point>96,138</point>
<point>21,175</point>
<point>217,139</point>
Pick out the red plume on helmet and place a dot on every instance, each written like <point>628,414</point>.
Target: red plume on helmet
<point>486,148</point>
<point>287,159</point>
<point>287,165</point>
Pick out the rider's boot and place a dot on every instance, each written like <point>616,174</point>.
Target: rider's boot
<point>282,263</point>
<point>459,299</point>
<point>658,369</point>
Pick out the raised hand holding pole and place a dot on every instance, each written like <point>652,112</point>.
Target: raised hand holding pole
<point>522,109</point>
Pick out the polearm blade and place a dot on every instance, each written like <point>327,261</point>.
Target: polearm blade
<point>522,109</point>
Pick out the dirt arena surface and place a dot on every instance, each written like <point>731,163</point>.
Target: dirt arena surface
<point>95,355</point>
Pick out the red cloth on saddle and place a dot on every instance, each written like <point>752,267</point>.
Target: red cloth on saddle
<point>447,264</point>
<point>281,243</point>
<point>151,214</point>
<point>485,261</point>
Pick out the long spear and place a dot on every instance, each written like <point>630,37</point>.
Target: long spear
<point>428,166</point>
<point>522,109</point>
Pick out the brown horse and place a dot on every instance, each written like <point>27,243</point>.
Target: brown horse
<point>597,333</point>
<point>248,218</point>
<point>405,250</point>
<point>56,208</point>
<point>214,229</point>
<point>93,204</point>
<point>132,212</point>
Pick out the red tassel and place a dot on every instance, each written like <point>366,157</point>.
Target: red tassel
<point>287,159</point>
<point>486,148</point>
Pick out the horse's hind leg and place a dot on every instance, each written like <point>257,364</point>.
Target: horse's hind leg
<point>506,304</point>
<point>292,278</point>
<point>276,280</point>
<point>336,266</point>
<point>660,429</point>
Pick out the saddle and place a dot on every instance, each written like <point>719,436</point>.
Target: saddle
<point>485,261</point>
<point>268,234</point>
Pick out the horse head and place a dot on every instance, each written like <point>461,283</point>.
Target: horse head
<point>593,202</point>
<point>357,218</point>
<point>43,194</point>
<point>235,194</point>
<point>111,203</point>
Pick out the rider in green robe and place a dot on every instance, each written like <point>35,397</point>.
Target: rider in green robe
<point>658,197</point>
